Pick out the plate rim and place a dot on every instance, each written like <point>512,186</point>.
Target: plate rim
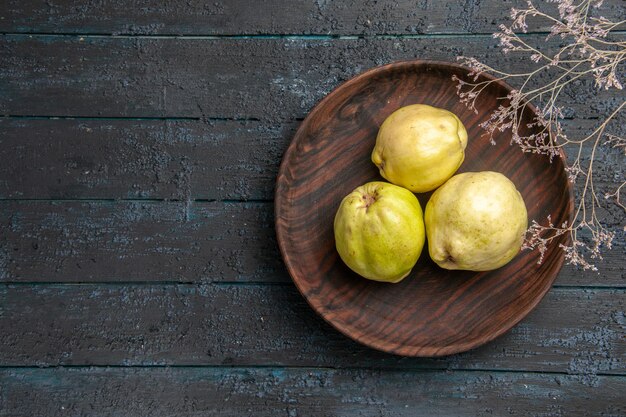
<point>281,235</point>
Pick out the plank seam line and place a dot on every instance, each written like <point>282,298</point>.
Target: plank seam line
<point>288,36</point>
<point>312,368</point>
<point>149,283</point>
<point>189,118</point>
<point>270,36</point>
<point>588,287</point>
<point>199,284</point>
<point>136,200</point>
<point>133,118</point>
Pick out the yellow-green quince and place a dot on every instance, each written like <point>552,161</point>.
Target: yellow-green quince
<point>419,147</point>
<point>475,221</point>
<point>379,231</point>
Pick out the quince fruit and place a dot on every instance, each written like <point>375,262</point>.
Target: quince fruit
<point>419,147</point>
<point>476,221</point>
<point>379,231</point>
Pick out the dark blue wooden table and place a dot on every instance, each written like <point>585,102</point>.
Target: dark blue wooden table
<point>139,272</point>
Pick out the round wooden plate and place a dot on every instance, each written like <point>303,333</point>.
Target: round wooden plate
<point>433,311</point>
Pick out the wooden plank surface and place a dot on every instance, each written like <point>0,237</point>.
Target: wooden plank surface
<point>281,78</point>
<point>138,241</point>
<point>236,17</point>
<point>574,331</point>
<point>139,272</point>
<point>302,392</point>
<point>176,241</point>
<point>170,159</point>
<point>154,159</point>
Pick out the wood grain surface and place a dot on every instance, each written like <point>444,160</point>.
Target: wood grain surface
<point>303,391</point>
<point>237,17</point>
<point>141,159</point>
<point>139,269</point>
<point>168,241</point>
<point>167,159</point>
<point>137,241</point>
<point>433,311</point>
<point>573,331</point>
<point>283,77</point>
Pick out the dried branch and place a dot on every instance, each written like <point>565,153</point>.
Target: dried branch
<point>588,53</point>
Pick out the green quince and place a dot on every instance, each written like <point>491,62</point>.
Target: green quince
<point>379,231</point>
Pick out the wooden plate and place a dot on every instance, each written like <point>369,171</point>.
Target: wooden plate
<point>433,311</point>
